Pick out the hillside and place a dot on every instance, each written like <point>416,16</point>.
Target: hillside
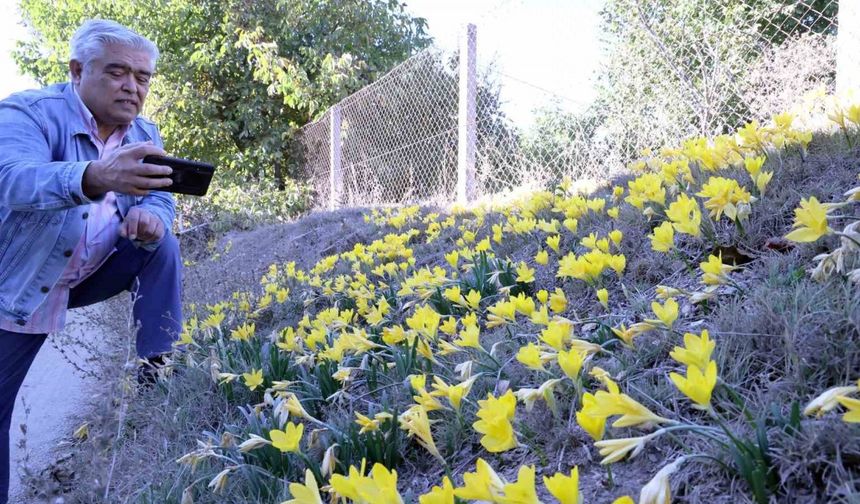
<point>669,332</point>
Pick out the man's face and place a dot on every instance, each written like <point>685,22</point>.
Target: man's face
<point>114,85</point>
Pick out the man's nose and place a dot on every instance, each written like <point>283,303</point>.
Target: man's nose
<point>129,84</point>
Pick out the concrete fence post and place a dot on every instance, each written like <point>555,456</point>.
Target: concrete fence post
<point>335,171</point>
<point>467,128</point>
<point>848,47</point>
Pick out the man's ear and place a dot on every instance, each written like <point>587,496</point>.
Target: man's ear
<point>76,68</point>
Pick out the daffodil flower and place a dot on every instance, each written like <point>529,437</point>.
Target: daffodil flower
<point>698,386</point>
<point>663,237</point>
<point>810,219</point>
<point>307,493</point>
<point>495,416</point>
<point>482,485</point>
<point>696,351</point>
<point>438,494</point>
<point>564,488</point>
<point>287,440</point>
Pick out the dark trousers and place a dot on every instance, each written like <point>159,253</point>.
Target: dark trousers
<point>155,277</point>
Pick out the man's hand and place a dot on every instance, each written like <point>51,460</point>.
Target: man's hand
<point>123,171</point>
<point>141,225</point>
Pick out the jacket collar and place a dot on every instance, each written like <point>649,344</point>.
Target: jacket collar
<point>76,120</point>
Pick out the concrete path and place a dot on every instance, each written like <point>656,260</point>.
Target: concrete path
<point>53,392</point>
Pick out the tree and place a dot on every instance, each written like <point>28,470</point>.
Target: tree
<point>238,77</point>
<point>681,67</point>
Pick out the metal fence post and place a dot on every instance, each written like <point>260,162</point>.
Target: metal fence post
<point>335,171</point>
<point>467,131</point>
<point>848,47</point>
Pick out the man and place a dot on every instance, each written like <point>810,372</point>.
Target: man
<point>81,217</point>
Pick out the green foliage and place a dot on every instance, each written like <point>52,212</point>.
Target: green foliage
<point>679,68</point>
<point>237,78</point>
<point>244,205</point>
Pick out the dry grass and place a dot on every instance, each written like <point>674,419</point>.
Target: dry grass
<point>781,339</point>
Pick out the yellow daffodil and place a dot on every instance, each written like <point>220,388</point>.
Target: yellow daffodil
<point>309,493</point>
<point>616,235</point>
<point>666,313</point>
<point>685,215</point>
<point>646,188</point>
<point>696,385</point>
<point>253,379</point>
<point>724,196</point>
<point>453,294</point>
<point>626,334</point>
<point>393,335</point>
<point>524,304</point>
<point>294,407</point>
<point>439,495</point>
<point>558,301</point>
<point>810,219</point>
<point>589,419</point>
<point>540,316</point>
<point>663,237</point>
<point>714,271</point>
<point>449,327</point>
<point>287,440</point>
<point>753,165</point>
<point>214,320</point>
<point>454,393</point>
<point>617,262</point>
<point>452,258</point>
<point>243,333</point>
<point>482,485</point>
<point>469,337</point>
<point>473,299</point>
<point>424,320</point>
<point>417,424</point>
<point>501,313</point>
<point>523,490</point>
<point>632,412</point>
<point>557,334</point>
<point>853,406</point>
<point>603,297</point>
<point>380,487</point>
<point>571,362</point>
<point>696,351</point>
<point>552,242</point>
<point>530,356</point>
<point>525,274</point>
<point>495,422</point>
<point>542,296</point>
<point>762,180</point>
<point>564,488</point>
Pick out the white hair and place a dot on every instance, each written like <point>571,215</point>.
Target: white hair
<point>89,40</point>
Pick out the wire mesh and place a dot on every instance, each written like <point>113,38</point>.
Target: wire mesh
<point>671,70</point>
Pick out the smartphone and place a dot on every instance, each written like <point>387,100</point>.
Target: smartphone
<point>189,177</point>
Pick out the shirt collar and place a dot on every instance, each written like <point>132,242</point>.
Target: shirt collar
<point>90,120</point>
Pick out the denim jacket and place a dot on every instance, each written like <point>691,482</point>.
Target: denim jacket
<point>44,150</point>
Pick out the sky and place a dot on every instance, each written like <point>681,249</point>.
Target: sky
<point>10,31</point>
<point>544,49</point>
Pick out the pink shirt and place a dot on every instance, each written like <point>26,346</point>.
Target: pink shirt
<point>96,245</point>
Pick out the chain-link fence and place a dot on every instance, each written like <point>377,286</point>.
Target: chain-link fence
<point>671,69</point>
